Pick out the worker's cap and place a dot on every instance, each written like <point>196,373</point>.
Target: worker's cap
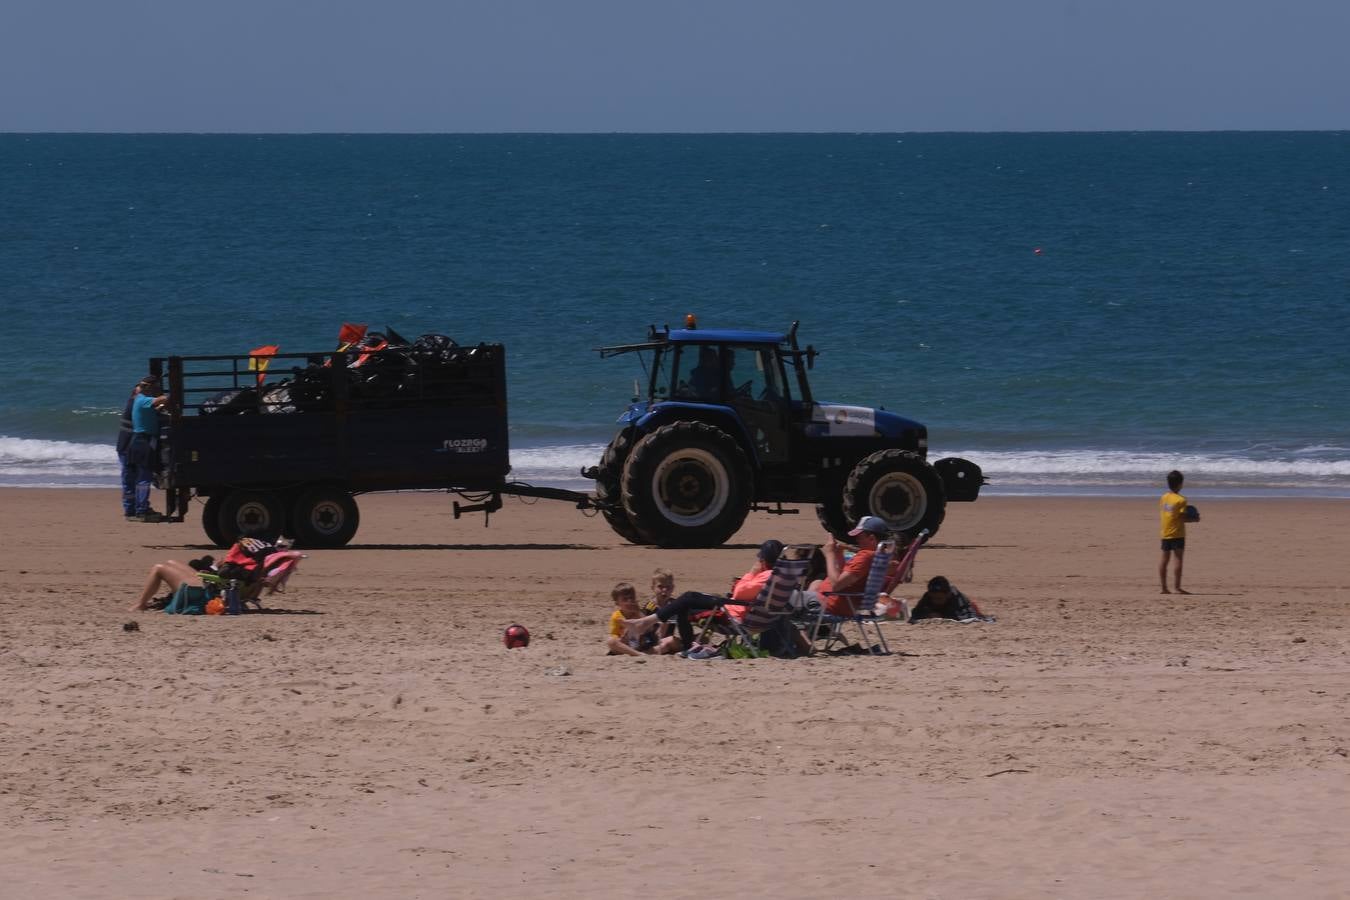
<point>871,525</point>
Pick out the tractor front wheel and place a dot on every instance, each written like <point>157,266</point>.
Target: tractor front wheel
<point>830,513</point>
<point>901,488</point>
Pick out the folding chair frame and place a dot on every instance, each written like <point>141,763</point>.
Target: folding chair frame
<point>863,604</point>
<point>773,605</point>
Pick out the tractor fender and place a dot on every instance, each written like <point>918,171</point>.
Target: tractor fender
<point>720,417</point>
<point>961,478</point>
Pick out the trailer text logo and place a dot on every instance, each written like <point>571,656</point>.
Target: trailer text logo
<point>464,445</point>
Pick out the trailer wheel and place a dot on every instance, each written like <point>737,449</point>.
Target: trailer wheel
<point>830,513</point>
<point>253,513</point>
<point>325,517</point>
<point>608,476</point>
<point>211,522</point>
<point>687,484</point>
<point>901,488</point>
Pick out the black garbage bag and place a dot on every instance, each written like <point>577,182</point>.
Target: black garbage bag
<point>231,402</point>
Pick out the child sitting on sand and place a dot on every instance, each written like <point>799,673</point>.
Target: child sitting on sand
<point>663,588</point>
<point>626,641</point>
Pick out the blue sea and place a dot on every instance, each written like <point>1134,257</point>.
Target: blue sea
<point>1078,313</point>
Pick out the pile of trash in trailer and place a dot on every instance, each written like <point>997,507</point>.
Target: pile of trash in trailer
<point>373,370</point>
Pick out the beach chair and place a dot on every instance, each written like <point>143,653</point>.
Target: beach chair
<point>772,608</point>
<point>277,569</point>
<point>861,606</point>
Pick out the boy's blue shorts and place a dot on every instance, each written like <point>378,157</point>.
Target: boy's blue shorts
<point>1174,544</point>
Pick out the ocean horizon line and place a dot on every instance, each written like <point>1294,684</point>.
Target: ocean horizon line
<point>705,133</point>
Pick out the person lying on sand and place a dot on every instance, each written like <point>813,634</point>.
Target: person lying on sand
<point>943,601</point>
<point>172,575</point>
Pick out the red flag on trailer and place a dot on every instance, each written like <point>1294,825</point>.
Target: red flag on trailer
<point>259,357</point>
<point>350,335</point>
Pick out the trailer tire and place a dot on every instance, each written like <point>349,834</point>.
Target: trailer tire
<point>251,513</point>
<point>830,514</point>
<point>325,517</point>
<point>687,484</point>
<point>900,487</point>
<point>211,522</point>
<point>608,478</point>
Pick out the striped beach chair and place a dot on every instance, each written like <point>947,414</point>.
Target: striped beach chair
<point>862,606</point>
<point>773,607</point>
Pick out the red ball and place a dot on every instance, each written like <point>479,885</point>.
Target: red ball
<point>516,636</point>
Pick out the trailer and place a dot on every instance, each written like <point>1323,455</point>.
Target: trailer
<point>284,443</point>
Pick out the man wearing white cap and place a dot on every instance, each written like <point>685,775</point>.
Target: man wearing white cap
<point>850,578</point>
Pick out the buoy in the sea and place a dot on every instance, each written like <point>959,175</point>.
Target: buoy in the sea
<point>1037,251</point>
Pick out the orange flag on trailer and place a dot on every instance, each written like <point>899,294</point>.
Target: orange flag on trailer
<point>350,335</point>
<point>259,357</point>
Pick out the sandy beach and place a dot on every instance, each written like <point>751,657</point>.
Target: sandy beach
<point>372,737</point>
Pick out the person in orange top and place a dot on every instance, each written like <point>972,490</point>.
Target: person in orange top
<point>850,577</point>
<point>750,585</point>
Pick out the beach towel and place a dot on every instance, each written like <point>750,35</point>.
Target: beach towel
<point>188,600</point>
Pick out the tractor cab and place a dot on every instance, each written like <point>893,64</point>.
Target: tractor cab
<point>753,382</point>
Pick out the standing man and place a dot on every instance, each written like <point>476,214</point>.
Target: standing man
<point>145,407</point>
<point>1172,506</point>
<point>123,445</point>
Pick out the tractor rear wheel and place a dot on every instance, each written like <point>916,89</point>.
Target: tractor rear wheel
<point>901,488</point>
<point>608,479</point>
<point>687,484</point>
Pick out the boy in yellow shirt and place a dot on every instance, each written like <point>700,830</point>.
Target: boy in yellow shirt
<point>1172,507</point>
<point>623,641</point>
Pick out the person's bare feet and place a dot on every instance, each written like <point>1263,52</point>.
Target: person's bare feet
<point>1180,591</point>
<point>1164,591</point>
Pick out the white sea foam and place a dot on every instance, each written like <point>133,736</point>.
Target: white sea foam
<point>558,466</point>
<point>29,461</point>
<point>1116,466</point>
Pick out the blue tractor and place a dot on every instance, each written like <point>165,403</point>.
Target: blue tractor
<point>729,424</point>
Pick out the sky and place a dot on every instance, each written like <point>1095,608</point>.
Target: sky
<point>672,66</point>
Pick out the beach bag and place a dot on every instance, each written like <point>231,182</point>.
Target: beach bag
<point>188,600</point>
